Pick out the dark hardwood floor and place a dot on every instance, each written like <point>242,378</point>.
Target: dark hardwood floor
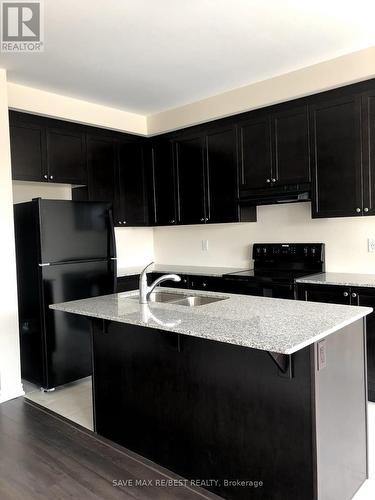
<point>43,456</point>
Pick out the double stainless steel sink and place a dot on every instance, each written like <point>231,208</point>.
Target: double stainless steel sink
<point>181,299</point>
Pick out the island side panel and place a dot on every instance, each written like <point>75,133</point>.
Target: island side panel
<point>208,410</point>
<point>341,413</point>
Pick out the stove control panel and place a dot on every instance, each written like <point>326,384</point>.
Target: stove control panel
<point>289,251</point>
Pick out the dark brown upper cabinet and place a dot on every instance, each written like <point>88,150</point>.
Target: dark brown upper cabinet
<point>368,135</point>
<point>27,146</point>
<point>336,157</point>
<point>164,187</point>
<point>207,177</point>
<point>190,180</point>
<point>221,176</point>
<point>255,153</point>
<point>274,149</point>
<point>101,163</point>
<point>131,207</point>
<point>291,149</point>
<point>43,153</point>
<point>116,174</point>
<point>66,156</point>
<point>212,172</point>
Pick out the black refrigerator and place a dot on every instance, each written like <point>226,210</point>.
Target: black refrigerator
<point>65,250</point>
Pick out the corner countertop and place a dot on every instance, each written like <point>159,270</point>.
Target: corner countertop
<point>167,268</point>
<point>277,325</point>
<point>340,279</point>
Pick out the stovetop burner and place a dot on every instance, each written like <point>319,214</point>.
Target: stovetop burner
<point>283,262</point>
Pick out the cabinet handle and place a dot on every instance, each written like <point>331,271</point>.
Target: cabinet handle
<point>273,180</point>
<point>268,180</point>
<point>365,209</point>
<point>119,222</point>
<point>354,295</point>
<point>51,177</point>
<point>346,294</point>
<point>45,176</point>
<point>358,210</point>
<point>202,219</point>
<point>206,219</point>
<point>124,221</point>
<point>173,221</point>
<point>204,285</point>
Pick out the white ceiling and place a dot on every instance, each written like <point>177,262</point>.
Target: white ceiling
<point>146,56</point>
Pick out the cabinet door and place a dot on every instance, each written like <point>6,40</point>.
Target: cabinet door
<point>368,107</point>
<point>366,298</point>
<point>127,283</point>
<point>222,192</point>
<point>27,146</point>
<point>290,132</point>
<point>209,283</point>
<point>66,156</point>
<point>101,168</point>
<point>132,185</point>
<point>255,153</point>
<point>184,283</point>
<point>336,148</point>
<point>190,179</point>
<point>325,293</point>
<point>164,192</point>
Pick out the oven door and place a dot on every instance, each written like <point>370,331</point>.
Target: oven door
<point>258,288</point>
<point>243,286</point>
<point>279,291</point>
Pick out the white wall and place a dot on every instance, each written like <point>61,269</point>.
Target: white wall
<point>40,102</point>
<point>230,244</point>
<point>135,246</point>
<point>318,77</point>
<point>342,70</point>
<point>10,376</point>
<point>26,191</point>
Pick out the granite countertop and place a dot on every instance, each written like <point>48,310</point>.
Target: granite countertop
<point>278,325</point>
<point>167,268</point>
<point>342,279</point>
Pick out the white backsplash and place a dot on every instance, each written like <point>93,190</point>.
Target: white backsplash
<point>231,244</point>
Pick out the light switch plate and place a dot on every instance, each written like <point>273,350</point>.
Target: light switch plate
<point>371,245</point>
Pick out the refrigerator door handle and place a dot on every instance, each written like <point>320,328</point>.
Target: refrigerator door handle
<point>112,241</point>
<point>113,258</point>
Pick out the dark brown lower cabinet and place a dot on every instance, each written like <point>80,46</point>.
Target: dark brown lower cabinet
<point>363,296</point>
<point>194,282</point>
<point>127,283</point>
<point>222,413</point>
<point>366,297</point>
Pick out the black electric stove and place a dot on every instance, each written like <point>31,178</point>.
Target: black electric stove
<point>276,266</point>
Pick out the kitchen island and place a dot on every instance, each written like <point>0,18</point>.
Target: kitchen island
<point>257,397</point>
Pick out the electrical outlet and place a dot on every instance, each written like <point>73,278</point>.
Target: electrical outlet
<point>204,245</point>
<point>322,354</point>
<point>371,244</point>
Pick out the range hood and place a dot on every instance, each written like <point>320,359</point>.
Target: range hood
<point>273,196</point>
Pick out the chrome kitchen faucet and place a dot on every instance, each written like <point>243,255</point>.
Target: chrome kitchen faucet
<point>145,290</point>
